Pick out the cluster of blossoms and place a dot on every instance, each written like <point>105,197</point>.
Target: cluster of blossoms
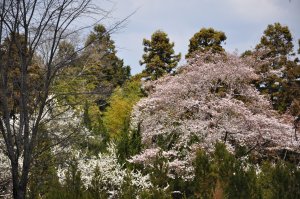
<point>63,126</point>
<point>5,177</point>
<point>210,100</point>
<point>112,174</point>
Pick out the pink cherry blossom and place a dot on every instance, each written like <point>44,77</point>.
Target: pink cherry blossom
<point>210,100</point>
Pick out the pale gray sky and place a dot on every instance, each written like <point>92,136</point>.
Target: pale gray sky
<point>243,21</point>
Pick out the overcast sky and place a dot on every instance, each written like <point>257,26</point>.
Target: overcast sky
<point>243,22</point>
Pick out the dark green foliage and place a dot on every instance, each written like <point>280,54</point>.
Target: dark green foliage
<point>66,51</point>
<point>87,122</point>
<point>43,178</point>
<point>222,175</point>
<point>159,172</point>
<point>246,53</point>
<point>123,147</point>
<point>72,188</point>
<point>205,179</point>
<point>97,128</point>
<point>207,39</point>
<point>181,188</point>
<point>237,177</point>
<point>73,184</point>
<point>166,142</point>
<point>159,56</point>
<point>128,191</point>
<point>277,40</point>
<point>107,71</point>
<point>136,141</point>
<point>95,145</point>
<point>291,88</point>
<point>156,194</point>
<point>280,181</point>
<point>96,189</point>
<point>130,143</point>
<point>283,89</point>
<point>13,54</point>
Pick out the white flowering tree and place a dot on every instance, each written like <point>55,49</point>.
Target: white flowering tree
<point>61,128</point>
<point>210,100</point>
<point>110,174</point>
<point>5,178</point>
<point>30,34</point>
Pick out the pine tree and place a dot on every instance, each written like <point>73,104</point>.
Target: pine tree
<point>277,41</point>
<point>205,40</point>
<point>73,184</point>
<point>159,56</point>
<point>104,69</point>
<point>204,180</point>
<point>279,75</point>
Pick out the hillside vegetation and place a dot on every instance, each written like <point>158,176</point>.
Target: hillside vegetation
<point>75,124</point>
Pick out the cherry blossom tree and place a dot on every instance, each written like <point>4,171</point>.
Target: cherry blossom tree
<point>210,100</point>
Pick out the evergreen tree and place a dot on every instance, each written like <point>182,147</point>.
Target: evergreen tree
<point>89,83</point>
<point>43,175</point>
<point>104,69</point>
<point>10,49</point>
<point>75,87</point>
<point>66,50</point>
<point>73,183</point>
<point>279,181</point>
<point>279,75</point>
<point>277,42</point>
<point>289,95</point>
<point>159,56</point>
<point>102,52</point>
<point>96,189</point>
<point>205,40</point>
<point>204,180</point>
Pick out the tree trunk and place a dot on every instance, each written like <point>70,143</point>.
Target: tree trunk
<point>19,189</point>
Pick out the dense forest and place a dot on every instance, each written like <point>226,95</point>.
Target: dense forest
<point>76,124</point>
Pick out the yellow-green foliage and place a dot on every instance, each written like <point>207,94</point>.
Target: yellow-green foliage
<point>121,103</point>
<point>78,92</point>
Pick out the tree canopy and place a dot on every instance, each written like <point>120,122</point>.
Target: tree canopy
<point>31,32</point>
<point>75,124</point>
<point>103,65</point>
<point>277,40</point>
<point>159,56</point>
<point>121,102</point>
<point>205,103</point>
<point>278,77</point>
<point>207,39</point>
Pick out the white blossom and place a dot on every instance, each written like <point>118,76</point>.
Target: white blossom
<point>113,175</point>
<point>205,103</point>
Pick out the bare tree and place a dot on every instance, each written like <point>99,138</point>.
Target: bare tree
<point>30,29</point>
